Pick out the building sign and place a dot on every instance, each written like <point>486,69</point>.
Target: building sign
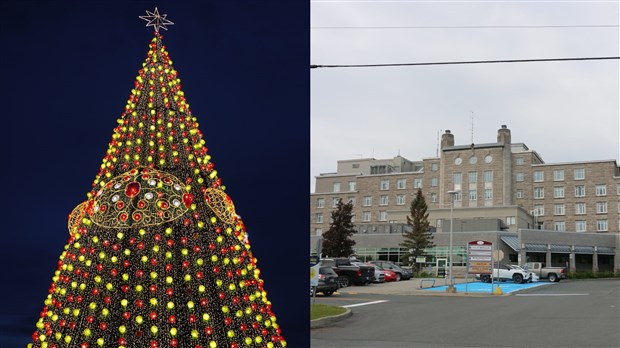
<point>479,257</point>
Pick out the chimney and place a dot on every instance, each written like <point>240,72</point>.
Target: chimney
<point>503,135</point>
<point>447,139</point>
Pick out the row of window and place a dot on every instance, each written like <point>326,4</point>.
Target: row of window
<point>366,217</point>
<point>580,209</point>
<point>602,225</point>
<point>558,174</point>
<point>582,226</point>
<point>559,191</point>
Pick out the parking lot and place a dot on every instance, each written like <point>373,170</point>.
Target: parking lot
<point>574,313</point>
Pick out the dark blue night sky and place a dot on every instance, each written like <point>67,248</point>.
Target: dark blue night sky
<point>67,68</point>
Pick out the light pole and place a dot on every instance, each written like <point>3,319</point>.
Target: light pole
<point>451,287</point>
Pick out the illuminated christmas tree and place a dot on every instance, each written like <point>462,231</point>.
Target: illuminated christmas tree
<point>157,256</point>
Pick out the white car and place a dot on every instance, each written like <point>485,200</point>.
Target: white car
<point>508,272</point>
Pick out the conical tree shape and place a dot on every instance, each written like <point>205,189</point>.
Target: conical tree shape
<point>157,256</point>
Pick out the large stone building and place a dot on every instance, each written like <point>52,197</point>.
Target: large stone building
<point>502,188</point>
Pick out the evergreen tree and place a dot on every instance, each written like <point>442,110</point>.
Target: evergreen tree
<point>337,240</point>
<point>420,237</point>
<point>157,256</point>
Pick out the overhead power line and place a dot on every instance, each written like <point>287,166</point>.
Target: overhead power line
<point>471,26</point>
<point>316,66</point>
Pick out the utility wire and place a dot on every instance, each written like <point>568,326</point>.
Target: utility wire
<point>316,66</point>
<point>472,27</point>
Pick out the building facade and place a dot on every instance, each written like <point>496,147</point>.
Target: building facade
<point>502,182</point>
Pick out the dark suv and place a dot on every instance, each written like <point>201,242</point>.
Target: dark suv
<point>328,281</point>
<point>401,273</point>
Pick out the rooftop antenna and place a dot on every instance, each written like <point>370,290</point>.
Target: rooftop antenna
<point>472,127</point>
<point>437,148</point>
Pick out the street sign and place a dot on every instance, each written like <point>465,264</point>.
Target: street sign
<point>479,257</point>
<point>314,270</point>
<point>420,259</point>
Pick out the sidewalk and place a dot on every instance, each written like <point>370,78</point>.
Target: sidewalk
<point>403,287</point>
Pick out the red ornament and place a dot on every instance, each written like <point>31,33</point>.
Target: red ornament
<point>132,189</point>
<point>188,198</point>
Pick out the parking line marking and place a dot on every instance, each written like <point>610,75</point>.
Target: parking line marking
<point>531,295</point>
<point>364,304</point>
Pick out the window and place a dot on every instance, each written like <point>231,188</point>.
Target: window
<point>539,192</point>
<point>400,200</point>
<point>384,185</point>
<point>520,177</point>
<point>434,182</point>
<point>366,216</point>
<point>580,173</point>
<point>458,196</point>
<point>539,176</point>
<point>580,226</point>
<point>472,177</point>
<point>401,184</point>
<point>559,226</point>
<point>558,209</point>
<point>417,183</point>
<point>539,209</point>
<point>335,202</point>
<point>488,194</point>
<point>383,200</point>
<point>352,186</point>
<point>601,190</point>
<point>601,207</point>
<point>601,225</point>
<point>519,161</point>
<point>383,216</point>
<point>434,197</point>
<point>511,220</point>
<point>580,208</point>
<point>520,193</point>
<point>618,206</point>
<point>318,231</point>
<point>618,189</point>
<point>488,176</point>
<point>434,167</point>
<point>580,191</point>
<point>318,218</point>
<point>336,187</point>
<point>457,178</point>
<point>367,201</point>
<point>355,165</point>
<point>351,200</point>
<point>473,195</point>
<point>558,192</point>
<point>558,175</point>
<point>320,202</point>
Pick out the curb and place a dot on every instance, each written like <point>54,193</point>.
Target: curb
<point>323,322</point>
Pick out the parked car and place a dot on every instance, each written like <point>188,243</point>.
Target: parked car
<point>348,273</point>
<point>328,281</point>
<point>388,275</point>
<point>553,274</point>
<point>401,273</point>
<point>507,272</point>
<point>379,276</point>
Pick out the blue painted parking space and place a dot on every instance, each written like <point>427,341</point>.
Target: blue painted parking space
<point>479,287</point>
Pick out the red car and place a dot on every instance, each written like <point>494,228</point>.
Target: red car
<point>389,275</point>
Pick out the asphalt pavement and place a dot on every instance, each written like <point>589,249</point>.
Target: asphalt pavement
<point>574,313</point>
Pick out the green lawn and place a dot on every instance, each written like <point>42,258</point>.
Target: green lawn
<point>319,311</point>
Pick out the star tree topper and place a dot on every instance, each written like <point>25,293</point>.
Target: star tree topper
<point>156,20</point>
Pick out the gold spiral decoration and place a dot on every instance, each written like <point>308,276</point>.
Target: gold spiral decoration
<point>221,204</point>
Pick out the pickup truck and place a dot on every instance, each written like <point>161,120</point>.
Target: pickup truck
<point>348,273</point>
<point>508,272</point>
<point>553,274</point>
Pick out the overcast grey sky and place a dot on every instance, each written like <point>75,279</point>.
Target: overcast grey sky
<point>566,111</point>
